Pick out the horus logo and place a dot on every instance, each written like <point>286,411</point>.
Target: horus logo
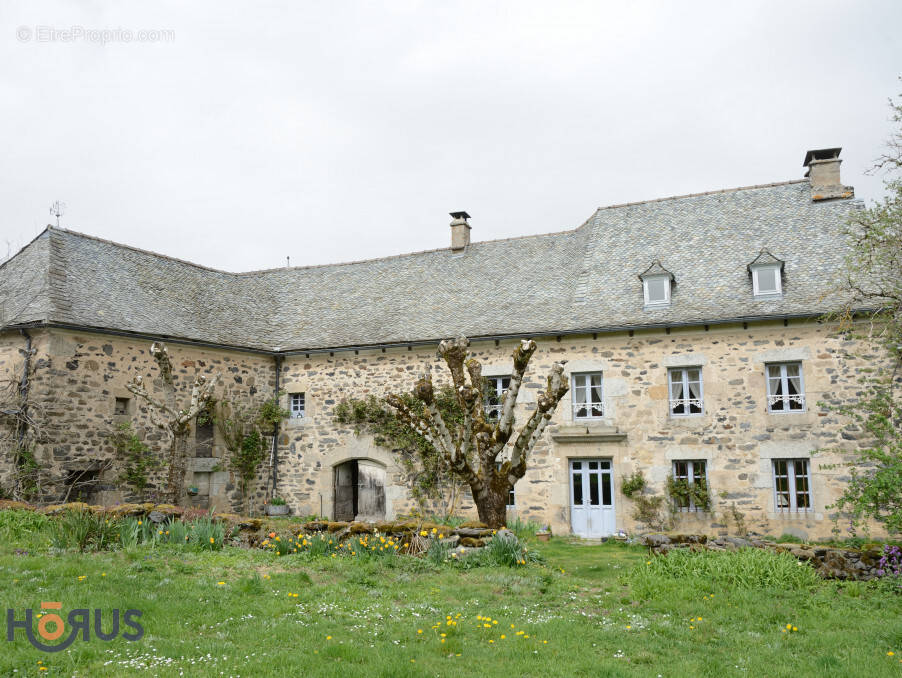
<point>51,626</point>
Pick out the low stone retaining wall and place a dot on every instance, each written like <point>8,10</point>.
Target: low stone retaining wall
<point>828,561</point>
<point>251,532</point>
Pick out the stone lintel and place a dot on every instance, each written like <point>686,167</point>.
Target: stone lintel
<point>587,434</point>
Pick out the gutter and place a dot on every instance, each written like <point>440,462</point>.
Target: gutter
<point>609,329</point>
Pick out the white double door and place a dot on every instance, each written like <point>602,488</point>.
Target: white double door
<point>592,498</point>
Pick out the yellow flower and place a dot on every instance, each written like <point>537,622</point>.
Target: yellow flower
<point>789,626</point>
<point>103,574</point>
<point>491,641</point>
<point>140,523</point>
<point>220,583</point>
<point>444,634</point>
<point>328,637</point>
<point>794,628</point>
<point>419,630</point>
<point>212,541</point>
<point>503,636</point>
<point>890,653</point>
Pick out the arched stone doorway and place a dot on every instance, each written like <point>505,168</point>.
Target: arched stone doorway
<point>359,491</point>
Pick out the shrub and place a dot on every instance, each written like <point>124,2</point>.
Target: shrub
<point>633,484</point>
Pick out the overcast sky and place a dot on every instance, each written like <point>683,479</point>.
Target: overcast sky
<point>348,130</point>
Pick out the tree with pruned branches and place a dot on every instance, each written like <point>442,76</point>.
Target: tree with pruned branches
<point>173,419</point>
<point>474,448</point>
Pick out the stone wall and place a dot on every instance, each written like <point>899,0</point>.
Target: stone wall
<point>77,380</point>
<point>79,375</point>
<point>736,436</point>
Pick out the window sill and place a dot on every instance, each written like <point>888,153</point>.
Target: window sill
<point>296,422</point>
<point>769,296</point>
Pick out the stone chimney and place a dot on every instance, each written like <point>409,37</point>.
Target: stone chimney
<point>823,175</point>
<point>460,231</point>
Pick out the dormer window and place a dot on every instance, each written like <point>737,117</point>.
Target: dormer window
<point>767,275</point>
<point>657,283</point>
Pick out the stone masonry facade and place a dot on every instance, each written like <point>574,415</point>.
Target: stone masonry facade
<point>78,377</point>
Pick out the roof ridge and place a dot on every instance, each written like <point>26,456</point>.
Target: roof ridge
<point>696,195</point>
<point>300,268</point>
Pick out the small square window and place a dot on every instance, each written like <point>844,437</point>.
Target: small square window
<point>766,280</point>
<point>657,290</point>
<point>792,486</point>
<point>120,408</point>
<point>297,405</point>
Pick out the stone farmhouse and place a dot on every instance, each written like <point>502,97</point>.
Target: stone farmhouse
<point>692,328</point>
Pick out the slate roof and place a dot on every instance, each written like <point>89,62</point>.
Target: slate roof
<point>583,279</point>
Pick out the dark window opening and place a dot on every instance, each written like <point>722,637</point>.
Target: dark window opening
<point>121,406</point>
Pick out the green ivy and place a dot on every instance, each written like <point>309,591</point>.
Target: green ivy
<point>633,484</point>
<point>683,493</point>
<point>138,460</point>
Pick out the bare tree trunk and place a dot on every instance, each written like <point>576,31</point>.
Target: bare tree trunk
<point>491,505</point>
<point>178,468</point>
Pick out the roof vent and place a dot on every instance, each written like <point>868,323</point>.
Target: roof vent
<point>823,175</point>
<point>460,231</point>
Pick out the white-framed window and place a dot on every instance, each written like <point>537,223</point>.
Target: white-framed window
<point>657,290</point>
<point>692,472</point>
<point>792,486</point>
<point>494,394</point>
<point>686,398</point>
<point>297,405</point>
<point>785,387</point>
<point>588,395</point>
<point>767,280</point>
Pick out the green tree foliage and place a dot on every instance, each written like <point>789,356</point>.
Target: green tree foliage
<point>874,279</point>
<point>428,473</point>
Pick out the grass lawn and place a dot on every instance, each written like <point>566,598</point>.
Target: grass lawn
<point>576,616</point>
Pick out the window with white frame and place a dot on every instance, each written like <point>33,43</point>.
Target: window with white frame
<point>588,395</point>
<point>657,290</point>
<point>785,388</point>
<point>494,395</point>
<point>685,391</point>
<point>767,280</point>
<point>689,475</point>
<point>792,486</point>
<point>297,405</point>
